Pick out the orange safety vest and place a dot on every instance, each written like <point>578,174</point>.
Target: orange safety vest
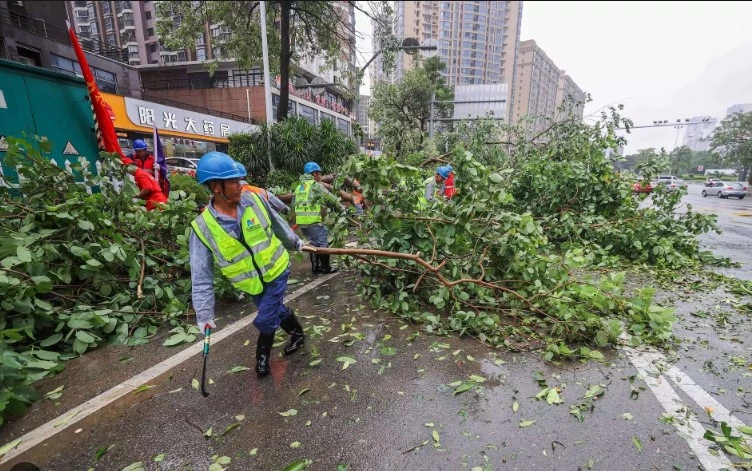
<point>357,196</point>
<point>259,191</point>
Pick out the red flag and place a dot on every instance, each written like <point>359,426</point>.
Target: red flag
<point>107,138</point>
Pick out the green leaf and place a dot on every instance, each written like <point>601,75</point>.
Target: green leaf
<point>23,254</point>
<point>289,413</point>
<point>315,362</point>
<point>51,340</point>
<point>9,446</point>
<point>637,443</point>
<point>137,466</point>
<point>238,369</point>
<point>93,262</point>
<point>745,429</point>
<point>495,178</point>
<point>85,337</point>
<point>195,384</point>
<point>304,391</point>
<point>298,465</point>
<point>85,225</point>
<point>553,397</point>
<point>435,436</point>
<point>526,423</point>
<point>465,386</point>
<point>175,339</point>
<point>142,388</point>
<point>347,361</point>
<point>295,445</point>
<point>515,406</point>
<point>627,416</point>
<point>101,451</point>
<point>596,355</point>
<point>160,457</point>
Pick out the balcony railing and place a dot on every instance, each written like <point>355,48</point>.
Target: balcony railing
<point>60,35</point>
<point>198,109</point>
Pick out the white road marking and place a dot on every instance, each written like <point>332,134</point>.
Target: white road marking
<point>56,425</point>
<point>644,360</point>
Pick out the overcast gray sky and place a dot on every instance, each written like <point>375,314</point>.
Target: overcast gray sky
<point>662,60</point>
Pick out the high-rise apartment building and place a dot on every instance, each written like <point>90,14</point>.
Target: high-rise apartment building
<point>699,132</point>
<point>741,108</point>
<point>347,60</point>
<point>541,87</point>
<point>131,26</point>
<point>477,40</point>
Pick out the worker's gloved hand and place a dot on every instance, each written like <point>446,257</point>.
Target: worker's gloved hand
<point>299,245</point>
<point>202,326</point>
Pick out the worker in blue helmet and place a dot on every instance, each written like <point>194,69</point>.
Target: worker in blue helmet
<point>309,194</point>
<point>246,238</point>
<point>435,186</point>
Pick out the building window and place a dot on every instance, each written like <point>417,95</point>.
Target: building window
<point>153,47</point>
<point>200,55</point>
<point>150,32</point>
<point>181,56</point>
<point>111,39</point>
<point>66,66</point>
<point>148,15</point>
<point>106,81</point>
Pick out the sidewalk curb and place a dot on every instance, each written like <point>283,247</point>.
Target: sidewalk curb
<point>80,412</point>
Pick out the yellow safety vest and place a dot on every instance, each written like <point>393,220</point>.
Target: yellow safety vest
<point>259,253</point>
<point>306,211</point>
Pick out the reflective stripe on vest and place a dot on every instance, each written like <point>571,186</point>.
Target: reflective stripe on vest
<point>306,211</point>
<point>232,256</point>
<point>422,201</point>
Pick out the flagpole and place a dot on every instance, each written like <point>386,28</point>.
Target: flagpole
<point>267,85</point>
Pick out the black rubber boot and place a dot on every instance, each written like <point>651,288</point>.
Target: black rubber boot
<point>315,263</point>
<point>264,353</point>
<point>291,325</point>
<point>325,267</point>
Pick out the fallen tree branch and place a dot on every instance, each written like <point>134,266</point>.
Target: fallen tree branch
<point>434,270</point>
<point>139,288</point>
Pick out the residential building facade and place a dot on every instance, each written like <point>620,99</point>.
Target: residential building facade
<point>699,132</point>
<point>741,108</point>
<point>478,40</point>
<point>541,87</point>
<point>35,33</point>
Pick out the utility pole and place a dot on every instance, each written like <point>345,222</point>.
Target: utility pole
<point>267,84</point>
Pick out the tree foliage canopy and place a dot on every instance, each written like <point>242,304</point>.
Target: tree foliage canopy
<point>733,139</point>
<point>402,110</point>
<point>295,30</point>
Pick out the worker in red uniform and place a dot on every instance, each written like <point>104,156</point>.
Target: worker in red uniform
<point>148,186</point>
<point>142,157</point>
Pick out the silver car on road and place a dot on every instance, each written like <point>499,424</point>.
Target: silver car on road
<point>725,190</point>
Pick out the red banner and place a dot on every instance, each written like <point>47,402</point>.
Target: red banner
<point>107,138</point>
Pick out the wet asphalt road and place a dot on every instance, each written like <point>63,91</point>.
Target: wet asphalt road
<point>378,412</point>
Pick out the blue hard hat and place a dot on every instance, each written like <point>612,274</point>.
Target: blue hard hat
<point>311,167</point>
<point>139,144</point>
<point>217,166</point>
<point>444,171</point>
<point>241,168</point>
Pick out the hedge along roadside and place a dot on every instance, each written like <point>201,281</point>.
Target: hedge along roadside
<point>82,268</point>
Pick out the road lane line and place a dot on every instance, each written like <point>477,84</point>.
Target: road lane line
<point>702,398</point>
<point>56,425</point>
<point>691,430</point>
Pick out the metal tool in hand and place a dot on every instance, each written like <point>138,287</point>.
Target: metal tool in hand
<point>207,335</point>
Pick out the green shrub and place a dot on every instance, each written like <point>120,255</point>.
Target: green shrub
<point>294,142</point>
<point>190,188</point>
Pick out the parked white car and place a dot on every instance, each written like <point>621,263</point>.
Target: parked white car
<point>723,189</point>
